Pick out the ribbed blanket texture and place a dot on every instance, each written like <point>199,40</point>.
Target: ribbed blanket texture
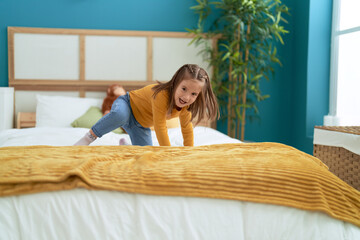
<point>258,172</point>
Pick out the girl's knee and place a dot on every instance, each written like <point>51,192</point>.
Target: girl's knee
<point>119,116</point>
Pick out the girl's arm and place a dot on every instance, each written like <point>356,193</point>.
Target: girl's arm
<point>186,127</point>
<point>159,109</point>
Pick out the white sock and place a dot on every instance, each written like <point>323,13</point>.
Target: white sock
<point>85,140</point>
<point>123,142</point>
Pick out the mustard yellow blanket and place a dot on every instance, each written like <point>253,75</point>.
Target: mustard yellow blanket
<point>258,172</point>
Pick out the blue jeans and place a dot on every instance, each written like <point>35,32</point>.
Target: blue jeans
<point>121,116</point>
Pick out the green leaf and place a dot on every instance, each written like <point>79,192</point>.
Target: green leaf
<point>226,56</point>
<point>257,77</point>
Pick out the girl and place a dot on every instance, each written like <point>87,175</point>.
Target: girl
<point>188,95</point>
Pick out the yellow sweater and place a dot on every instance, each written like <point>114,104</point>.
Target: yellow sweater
<point>153,112</point>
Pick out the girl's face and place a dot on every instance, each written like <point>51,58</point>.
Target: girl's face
<point>187,92</point>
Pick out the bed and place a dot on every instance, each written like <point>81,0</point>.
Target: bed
<point>219,189</point>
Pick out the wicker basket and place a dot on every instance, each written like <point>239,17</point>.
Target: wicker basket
<point>342,162</point>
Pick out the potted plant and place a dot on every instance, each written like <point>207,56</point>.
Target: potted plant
<point>246,32</point>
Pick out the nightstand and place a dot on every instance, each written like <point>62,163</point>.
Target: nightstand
<point>25,120</point>
<point>339,148</point>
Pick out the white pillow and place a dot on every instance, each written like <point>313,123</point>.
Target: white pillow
<point>60,111</point>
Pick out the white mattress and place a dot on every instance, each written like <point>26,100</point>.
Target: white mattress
<point>68,136</point>
<point>86,214</point>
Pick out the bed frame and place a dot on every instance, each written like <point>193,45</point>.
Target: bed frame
<point>84,62</point>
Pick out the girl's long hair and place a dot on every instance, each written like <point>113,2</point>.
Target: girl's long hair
<point>205,105</point>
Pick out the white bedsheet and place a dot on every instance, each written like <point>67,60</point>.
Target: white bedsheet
<point>85,214</point>
<point>68,136</point>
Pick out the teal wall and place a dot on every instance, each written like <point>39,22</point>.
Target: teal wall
<point>312,64</point>
<point>154,15</point>
<point>299,90</point>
